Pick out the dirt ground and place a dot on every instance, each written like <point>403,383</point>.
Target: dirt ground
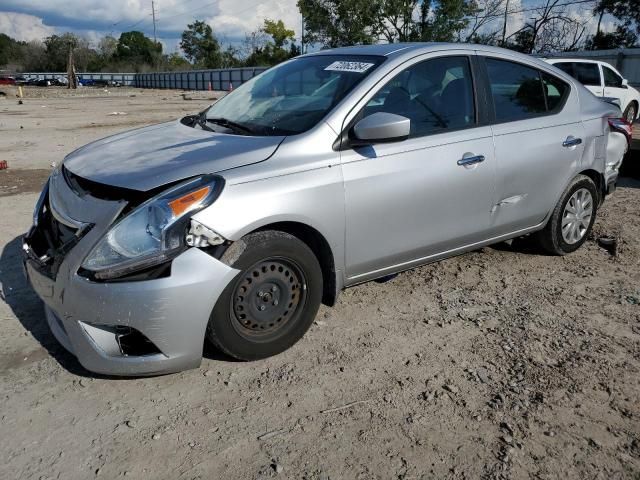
<point>501,363</point>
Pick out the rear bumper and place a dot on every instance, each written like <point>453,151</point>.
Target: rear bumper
<point>171,312</point>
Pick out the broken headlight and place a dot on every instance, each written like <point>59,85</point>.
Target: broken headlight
<point>154,232</point>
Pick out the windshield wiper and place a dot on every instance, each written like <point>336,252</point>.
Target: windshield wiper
<point>200,120</point>
<point>224,122</point>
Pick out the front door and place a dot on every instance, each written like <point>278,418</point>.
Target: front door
<point>430,193</point>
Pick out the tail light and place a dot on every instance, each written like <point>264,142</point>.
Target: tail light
<point>620,125</point>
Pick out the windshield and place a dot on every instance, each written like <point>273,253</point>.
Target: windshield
<point>294,96</point>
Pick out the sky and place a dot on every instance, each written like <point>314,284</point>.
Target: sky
<point>231,19</point>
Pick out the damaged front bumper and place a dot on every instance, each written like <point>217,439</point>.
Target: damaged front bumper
<point>141,327</point>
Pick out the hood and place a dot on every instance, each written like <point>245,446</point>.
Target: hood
<point>150,157</point>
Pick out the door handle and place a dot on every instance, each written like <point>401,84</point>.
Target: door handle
<point>571,142</point>
<point>466,161</point>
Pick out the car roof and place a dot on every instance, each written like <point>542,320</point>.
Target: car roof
<point>402,49</point>
<point>579,60</point>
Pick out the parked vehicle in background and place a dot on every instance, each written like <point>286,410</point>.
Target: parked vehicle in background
<point>61,81</point>
<point>7,80</point>
<point>326,171</point>
<point>93,82</point>
<point>603,81</point>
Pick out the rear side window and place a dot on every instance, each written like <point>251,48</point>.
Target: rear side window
<point>520,92</point>
<point>556,92</point>
<point>611,78</point>
<point>517,90</point>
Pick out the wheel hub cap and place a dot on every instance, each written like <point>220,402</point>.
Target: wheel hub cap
<point>576,217</point>
<point>267,297</point>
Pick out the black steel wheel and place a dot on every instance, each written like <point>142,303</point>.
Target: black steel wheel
<point>272,302</point>
<point>273,292</point>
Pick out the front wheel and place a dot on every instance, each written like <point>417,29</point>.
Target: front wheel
<point>572,218</point>
<point>272,302</point>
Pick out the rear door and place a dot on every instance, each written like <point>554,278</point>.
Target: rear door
<point>538,140</point>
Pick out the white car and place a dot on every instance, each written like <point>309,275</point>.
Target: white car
<point>603,81</point>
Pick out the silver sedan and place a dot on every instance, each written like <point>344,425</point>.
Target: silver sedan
<point>329,170</point>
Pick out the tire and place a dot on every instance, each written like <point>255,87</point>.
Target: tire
<point>558,242</point>
<point>251,320</point>
<point>630,113</point>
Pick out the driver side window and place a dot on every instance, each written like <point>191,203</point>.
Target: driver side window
<point>436,95</point>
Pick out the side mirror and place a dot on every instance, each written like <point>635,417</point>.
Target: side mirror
<point>625,83</point>
<point>379,128</point>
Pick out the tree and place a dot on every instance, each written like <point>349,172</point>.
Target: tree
<point>57,48</point>
<point>271,44</point>
<point>201,46</point>
<point>345,22</point>
<point>550,28</point>
<point>395,20</point>
<point>107,47</point>
<point>336,23</point>
<point>485,13</point>
<point>137,50</point>
<point>231,58</point>
<point>620,37</point>
<point>175,62</point>
<point>627,11</point>
<point>449,19</point>
<point>33,57</point>
<point>280,34</point>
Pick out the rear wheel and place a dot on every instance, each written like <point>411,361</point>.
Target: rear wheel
<point>272,302</point>
<point>572,218</point>
<point>631,112</point>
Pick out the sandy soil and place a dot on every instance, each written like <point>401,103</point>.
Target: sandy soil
<point>502,363</point>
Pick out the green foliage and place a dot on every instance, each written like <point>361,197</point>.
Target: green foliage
<point>450,18</point>
<point>57,48</point>
<point>278,32</point>
<point>9,49</point>
<point>176,62</point>
<point>627,11</point>
<point>135,48</point>
<point>200,46</point>
<point>336,23</point>
<point>272,44</point>
<point>346,22</point>
<point>621,37</point>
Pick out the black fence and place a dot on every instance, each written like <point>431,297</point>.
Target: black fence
<point>222,79</point>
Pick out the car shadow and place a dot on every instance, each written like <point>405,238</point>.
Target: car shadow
<point>630,168</point>
<point>28,308</point>
<point>522,245</point>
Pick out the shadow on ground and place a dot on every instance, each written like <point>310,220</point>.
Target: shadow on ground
<point>28,308</point>
<point>631,166</point>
